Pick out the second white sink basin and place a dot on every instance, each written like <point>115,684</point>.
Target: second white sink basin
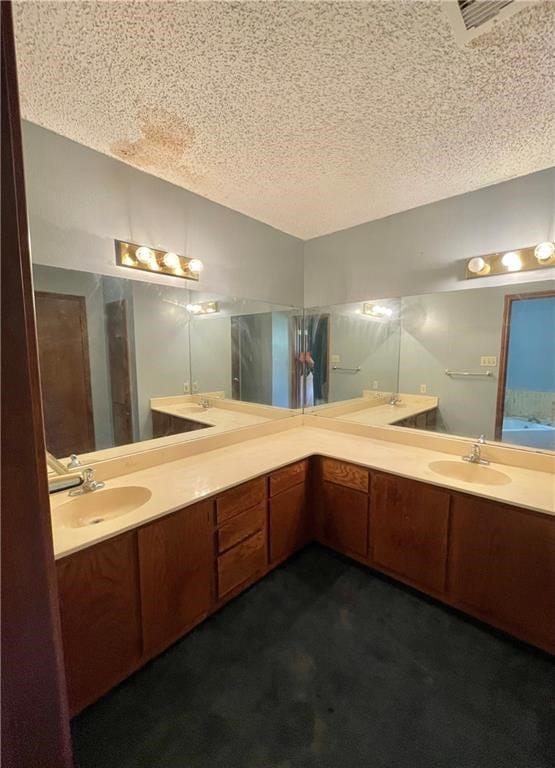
<point>469,473</point>
<point>101,506</point>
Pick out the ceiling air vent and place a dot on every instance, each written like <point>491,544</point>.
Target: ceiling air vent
<point>471,18</point>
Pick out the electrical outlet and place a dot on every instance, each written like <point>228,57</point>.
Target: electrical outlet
<point>423,389</point>
<point>187,388</point>
<point>335,358</point>
<point>195,386</point>
<point>488,360</point>
<point>375,384</point>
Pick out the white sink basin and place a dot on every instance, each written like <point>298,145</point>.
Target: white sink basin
<point>101,506</point>
<point>469,473</point>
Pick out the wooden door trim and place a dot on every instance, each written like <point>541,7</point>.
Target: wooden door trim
<point>503,353</point>
<point>35,719</point>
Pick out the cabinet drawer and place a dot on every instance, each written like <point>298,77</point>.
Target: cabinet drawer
<point>241,563</point>
<point>341,473</point>
<point>287,477</point>
<point>241,498</point>
<point>241,526</point>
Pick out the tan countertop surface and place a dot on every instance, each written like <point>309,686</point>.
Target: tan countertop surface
<point>216,419</point>
<point>381,415</point>
<point>176,484</point>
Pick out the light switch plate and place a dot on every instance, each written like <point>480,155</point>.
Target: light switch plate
<point>335,358</point>
<point>423,389</point>
<point>488,360</point>
<point>375,384</point>
<point>186,388</point>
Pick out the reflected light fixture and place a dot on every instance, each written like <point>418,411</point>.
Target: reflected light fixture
<point>204,308</point>
<point>376,310</point>
<point>154,260</point>
<point>518,260</point>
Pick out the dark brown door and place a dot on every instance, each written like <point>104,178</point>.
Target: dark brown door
<point>65,373</point>
<point>118,358</point>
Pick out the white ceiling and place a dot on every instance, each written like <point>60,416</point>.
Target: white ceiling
<point>310,116</point>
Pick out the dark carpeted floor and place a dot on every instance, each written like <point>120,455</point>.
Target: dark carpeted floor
<point>324,664</point>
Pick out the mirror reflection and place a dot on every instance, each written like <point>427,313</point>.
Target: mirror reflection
<point>125,361</point>
<point>471,362</point>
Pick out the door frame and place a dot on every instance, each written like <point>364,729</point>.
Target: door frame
<point>504,352</point>
<point>35,715</point>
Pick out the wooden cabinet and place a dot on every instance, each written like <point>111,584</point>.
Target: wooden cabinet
<point>289,529</point>
<point>409,524</point>
<point>502,567</point>
<point>164,424</point>
<point>176,559</point>
<point>242,536</point>
<point>242,563</point>
<point>341,514</point>
<point>100,615</point>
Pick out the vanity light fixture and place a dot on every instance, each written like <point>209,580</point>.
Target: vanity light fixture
<point>376,310</point>
<point>545,252</point>
<point>154,260</point>
<point>204,308</point>
<point>518,260</point>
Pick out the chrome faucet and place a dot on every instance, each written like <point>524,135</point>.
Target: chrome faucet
<point>73,461</point>
<point>394,399</point>
<point>89,483</point>
<point>475,456</point>
<point>205,403</point>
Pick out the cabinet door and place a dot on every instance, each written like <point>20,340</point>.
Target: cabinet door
<point>502,566</point>
<point>342,519</point>
<point>408,529</point>
<point>288,524</point>
<point>100,616</point>
<point>176,557</point>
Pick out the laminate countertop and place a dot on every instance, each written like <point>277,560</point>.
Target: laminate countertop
<point>176,484</point>
<point>382,415</point>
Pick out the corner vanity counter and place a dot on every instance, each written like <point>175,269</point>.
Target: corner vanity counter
<point>211,413</point>
<point>378,410</point>
<point>156,551</point>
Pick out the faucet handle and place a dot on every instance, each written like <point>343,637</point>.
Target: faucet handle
<point>482,439</point>
<point>73,461</point>
<point>88,475</point>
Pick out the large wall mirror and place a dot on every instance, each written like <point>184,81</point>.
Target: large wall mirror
<point>124,361</point>
<point>470,362</point>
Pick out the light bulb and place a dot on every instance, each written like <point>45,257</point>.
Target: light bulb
<point>544,251</point>
<point>196,265</point>
<point>171,260</point>
<point>476,265</point>
<point>511,260</point>
<point>144,255</point>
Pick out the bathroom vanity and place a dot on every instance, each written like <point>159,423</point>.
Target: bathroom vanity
<point>125,598</point>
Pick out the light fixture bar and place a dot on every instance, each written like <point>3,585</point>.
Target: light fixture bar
<point>518,260</point>
<point>159,262</point>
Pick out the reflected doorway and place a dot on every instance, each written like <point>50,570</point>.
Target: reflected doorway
<point>526,396</point>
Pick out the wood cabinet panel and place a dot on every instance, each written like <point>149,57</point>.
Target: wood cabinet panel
<point>342,519</point>
<point>288,523</point>
<point>164,424</point>
<point>241,498</point>
<point>100,615</point>
<point>502,565</point>
<point>176,559</point>
<point>242,526</point>
<point>409,524</point>
<point>345,474</point>
<point>241,563</point>
<point>288,477</point>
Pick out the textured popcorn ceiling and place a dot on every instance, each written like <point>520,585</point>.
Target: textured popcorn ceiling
<point>310,116</point>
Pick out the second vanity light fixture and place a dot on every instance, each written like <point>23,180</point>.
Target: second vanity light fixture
<point>521,260</point>
<point>157,261</point>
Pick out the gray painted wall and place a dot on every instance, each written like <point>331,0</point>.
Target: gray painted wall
<point>425,249</point>
<point>453,330</point>
<point>80,200</point>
